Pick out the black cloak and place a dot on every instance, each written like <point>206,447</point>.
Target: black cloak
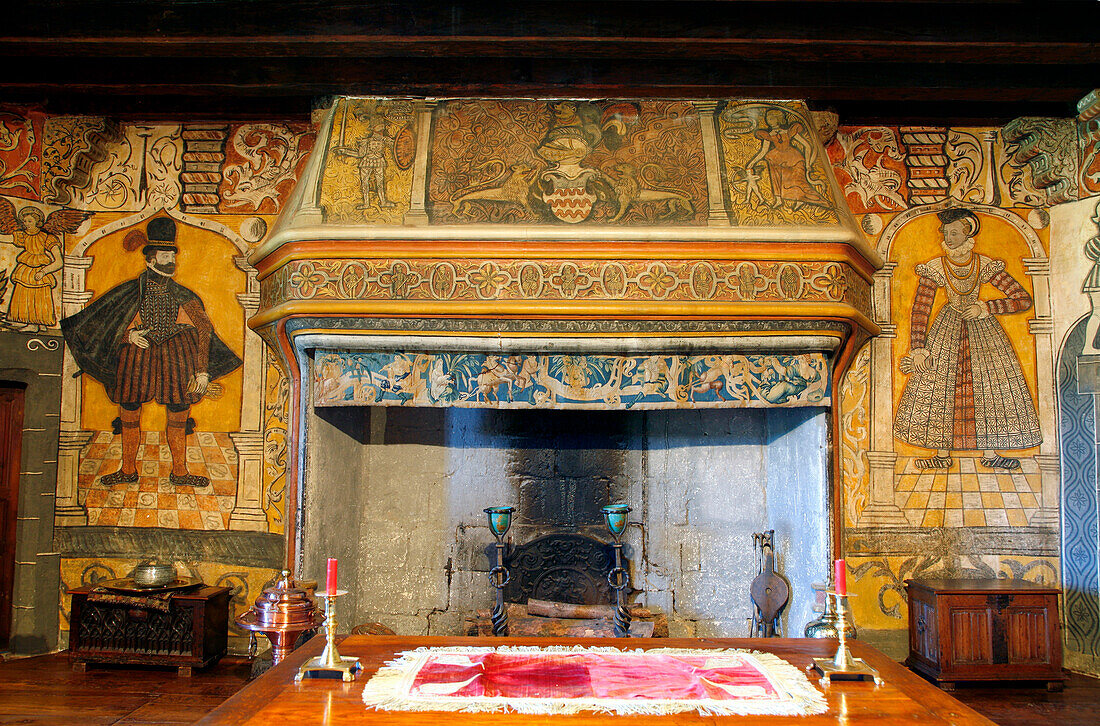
<point>96,334</point>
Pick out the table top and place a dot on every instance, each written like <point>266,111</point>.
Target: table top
<point>275,698</point>
<point>973,585</point>
<point>202,592</point>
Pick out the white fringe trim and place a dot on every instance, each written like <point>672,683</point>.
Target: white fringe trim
<point>388,689</point>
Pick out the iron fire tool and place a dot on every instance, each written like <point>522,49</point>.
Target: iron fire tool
<point>330,664</point>
<point>842,666</point>
<point>618,578</point>
<point>769,590</point>
<point>500,519</point>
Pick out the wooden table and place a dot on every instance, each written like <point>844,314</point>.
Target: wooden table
<point>275,698</point>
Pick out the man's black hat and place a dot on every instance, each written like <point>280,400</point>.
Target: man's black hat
<point>160,236</point>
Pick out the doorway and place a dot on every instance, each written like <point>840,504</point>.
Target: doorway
<point>11,439</point>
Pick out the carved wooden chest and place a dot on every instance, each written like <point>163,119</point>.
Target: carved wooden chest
<point>192,633</point>
<point>984,630</point>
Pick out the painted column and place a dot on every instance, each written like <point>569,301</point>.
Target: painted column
<point>717,216</point>
<point>248,512</point>
<point>68,511</point>
<point>1042,327</point>
<point>881,509</point>
<point>418,213</point>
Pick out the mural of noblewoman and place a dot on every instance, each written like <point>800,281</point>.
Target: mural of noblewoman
<point>150,339</point>
<point>966,390</point>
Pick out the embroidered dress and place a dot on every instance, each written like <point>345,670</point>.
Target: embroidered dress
<point>975,395</point>
<point>31,299</point>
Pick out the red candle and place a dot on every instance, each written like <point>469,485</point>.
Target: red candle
<point>330,578</point>
<point>840,578</point>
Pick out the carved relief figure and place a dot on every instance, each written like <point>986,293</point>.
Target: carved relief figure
<point>966,390</point>
<point>34,276</point>
<point>150,339</point>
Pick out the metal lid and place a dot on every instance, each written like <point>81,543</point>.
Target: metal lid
<point>284,604</point>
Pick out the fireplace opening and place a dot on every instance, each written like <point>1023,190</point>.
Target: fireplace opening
<point>397,494</point>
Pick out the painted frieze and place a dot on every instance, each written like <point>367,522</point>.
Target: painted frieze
<point>479,380</point>
<point>774,165</point>
<point>511,279</point>
<point>567,162</point>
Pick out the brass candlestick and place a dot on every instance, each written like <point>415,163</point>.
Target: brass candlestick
<point>842,666</point>
<point>330,664</point>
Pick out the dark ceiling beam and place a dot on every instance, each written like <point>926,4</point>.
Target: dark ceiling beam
<point>900,61</point>
<point>728,49</point>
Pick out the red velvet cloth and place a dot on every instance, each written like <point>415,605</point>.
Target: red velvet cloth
<point>637,675</point>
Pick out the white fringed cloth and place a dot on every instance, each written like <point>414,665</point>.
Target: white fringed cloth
<point>569,680</point>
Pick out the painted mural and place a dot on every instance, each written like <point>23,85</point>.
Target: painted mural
<point>21,154</point>
<point>369,175</point>
<point>567,161</point>
<point>173,414</point>
<point>601,382</point>
<point>149,339</point>
<point>948,427</point>
<point>774,173</point>
<point>33,278</point>
<point>967,428</point>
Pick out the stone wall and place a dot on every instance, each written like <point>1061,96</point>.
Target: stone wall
<point>398,495</point>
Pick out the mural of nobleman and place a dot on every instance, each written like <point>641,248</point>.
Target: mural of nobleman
<point>966,390</point>
<point>150,339</point>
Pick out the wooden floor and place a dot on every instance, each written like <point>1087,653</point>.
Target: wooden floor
<point>44,690</point>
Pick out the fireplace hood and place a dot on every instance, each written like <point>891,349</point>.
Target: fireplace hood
<point>566,253</point>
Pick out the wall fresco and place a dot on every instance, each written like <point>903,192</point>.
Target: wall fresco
<point>72,146</point>
<point>870,168</point>
<point>465,380</point>
<point>33,275</point>
<point>572,162</point>
<point>775,173</point>
<point>167,434</point>
<point>938,480</point>
<point>368,174</point>
<point>21,135</point>
<point>138,170</point>
<point>262,162</point>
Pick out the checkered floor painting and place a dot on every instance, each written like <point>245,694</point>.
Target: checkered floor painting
<point>151,501</point>
<point>968,494</point>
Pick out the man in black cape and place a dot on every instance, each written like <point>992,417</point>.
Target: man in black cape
<point>150,339</point>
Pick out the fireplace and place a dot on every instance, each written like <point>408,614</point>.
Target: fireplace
<point>398,493</point>
<point>454,342</point>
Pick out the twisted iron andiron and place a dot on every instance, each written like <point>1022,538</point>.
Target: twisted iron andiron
<point>618,578</point>
<point>500,519</point>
